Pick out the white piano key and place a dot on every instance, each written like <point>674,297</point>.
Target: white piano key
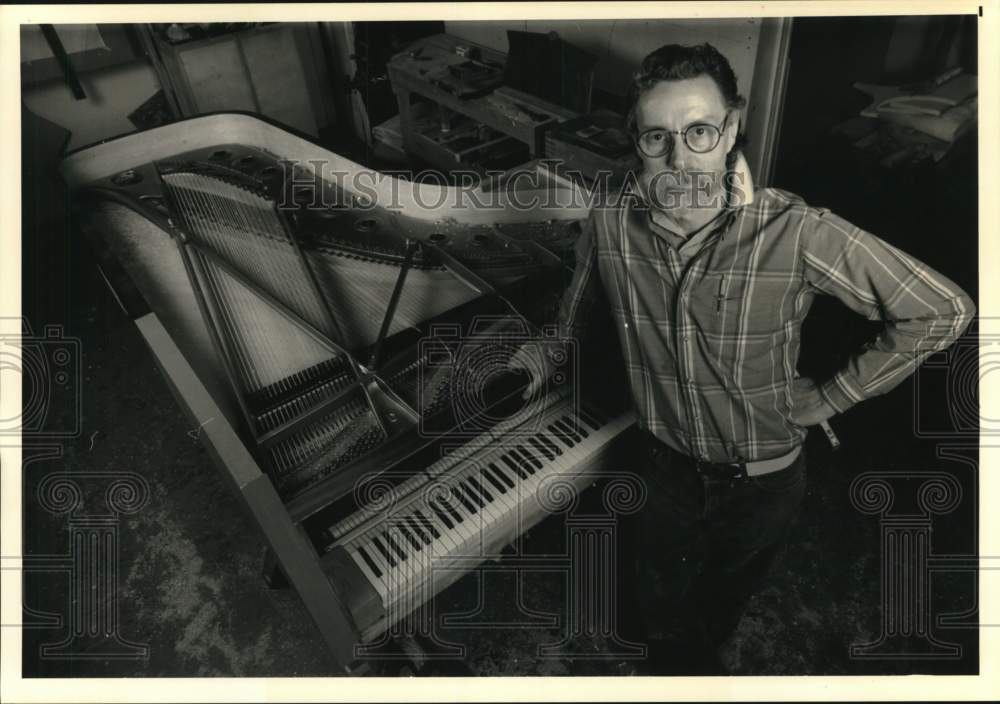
<point>488,495</point>
<point>390,538</point>
<point>506,473</point>
<point>524,460</point>
<point>467,529</point>
<point>495,483</point>
<point>377,552</point>
<point>447,543</point>
<point>429,526</point>
<point>375,580</point>
<point>414,541</point>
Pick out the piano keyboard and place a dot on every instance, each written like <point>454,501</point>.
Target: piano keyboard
<point>469,504</point>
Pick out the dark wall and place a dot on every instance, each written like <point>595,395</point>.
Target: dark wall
<point>829,54</point>
<point>927,208</point>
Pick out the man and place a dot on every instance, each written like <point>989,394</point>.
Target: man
<point>708,281</point>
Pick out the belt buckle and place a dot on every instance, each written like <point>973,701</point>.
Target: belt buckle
<point>741,470</point>
<point>732,470</point>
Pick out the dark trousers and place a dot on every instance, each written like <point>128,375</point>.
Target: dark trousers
<point>700,546</point>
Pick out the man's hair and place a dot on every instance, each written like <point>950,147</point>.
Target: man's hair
<point>675,62</point>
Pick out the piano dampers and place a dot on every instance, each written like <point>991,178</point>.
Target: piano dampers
<point>320,448</point>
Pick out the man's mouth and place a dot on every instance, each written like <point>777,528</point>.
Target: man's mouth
<point>668,186</point>
<point>668,181</point>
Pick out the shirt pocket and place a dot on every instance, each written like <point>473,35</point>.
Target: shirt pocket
<point>741,319</point>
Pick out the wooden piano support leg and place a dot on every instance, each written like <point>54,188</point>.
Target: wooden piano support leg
<point>273,575</point>
<point>360,669</point>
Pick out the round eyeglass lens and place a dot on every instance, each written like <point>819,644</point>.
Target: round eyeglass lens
<point>701,138</point>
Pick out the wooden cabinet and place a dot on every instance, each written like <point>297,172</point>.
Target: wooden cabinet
<point>275,70</point>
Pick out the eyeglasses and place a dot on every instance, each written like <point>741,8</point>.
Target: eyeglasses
<point>700,138</point>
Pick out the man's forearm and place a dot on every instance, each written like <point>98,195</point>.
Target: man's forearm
<point>896,354</point>
<point>923,311</point>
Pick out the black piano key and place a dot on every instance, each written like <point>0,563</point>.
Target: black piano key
<point>562,436</point>
<point>578,425</point>
<point>547,440</point>
<point>442,514</point>
<point>418,530</point>
<point>452,511</point>
<point>509,461</point>
<point>501,475</point>
<point>481,489</point>
<point>471,492</point>
<point>370,562</point>
<point>589,418</point>
<point>522,460</point>
<point>385,553</point>
<point>533,440</point>
<point>495,481</point>
<point>459,493</point>
<point>531,456</point>
<point>390,540</point>
<point>407,530</point>
<point>559,425</point>
<point>426,523</point>
<point>568,428</point>
<point>414,529</point>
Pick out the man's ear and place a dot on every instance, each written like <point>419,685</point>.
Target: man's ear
<point>732,128</point>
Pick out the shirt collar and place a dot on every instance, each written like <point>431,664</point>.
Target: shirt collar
<point>744,193</point>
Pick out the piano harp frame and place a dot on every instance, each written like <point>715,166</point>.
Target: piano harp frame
<point>286,539</point>
<point>383,404</point>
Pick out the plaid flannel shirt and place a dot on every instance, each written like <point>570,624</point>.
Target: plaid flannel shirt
<point>710,331</point>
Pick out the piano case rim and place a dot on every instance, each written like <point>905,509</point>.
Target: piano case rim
<point>428,202</point>
<point>285,539</point>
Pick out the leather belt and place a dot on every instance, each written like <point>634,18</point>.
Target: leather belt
<point>737,470</point>
<point>747,469</point>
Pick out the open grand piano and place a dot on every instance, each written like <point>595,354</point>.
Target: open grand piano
<point>340,339</point>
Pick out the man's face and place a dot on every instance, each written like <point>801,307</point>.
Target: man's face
<point>682,179</point>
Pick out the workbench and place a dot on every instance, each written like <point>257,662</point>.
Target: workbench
<point>463,78</point>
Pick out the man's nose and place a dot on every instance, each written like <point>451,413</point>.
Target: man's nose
<point>677,153</point>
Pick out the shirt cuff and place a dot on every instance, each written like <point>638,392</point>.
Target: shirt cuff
<point>839,393</point>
